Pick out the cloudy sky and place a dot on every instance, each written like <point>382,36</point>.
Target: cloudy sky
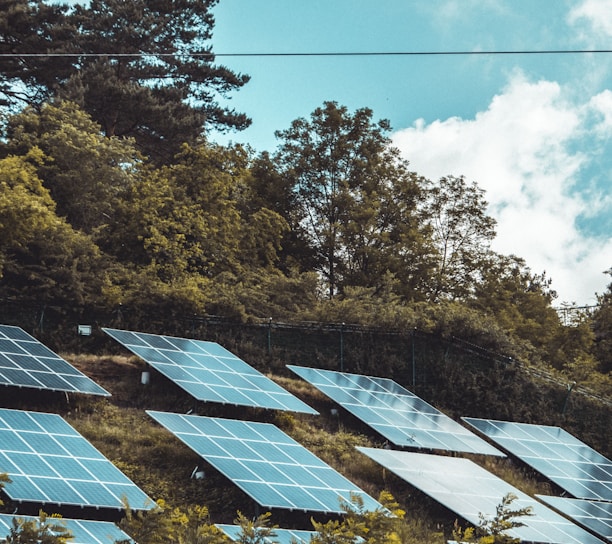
<point>533,129</point>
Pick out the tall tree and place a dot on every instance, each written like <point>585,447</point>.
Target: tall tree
<point>356,199</point>
<point>462,232</point>
<point>27,29</point>
<point>143,69</point>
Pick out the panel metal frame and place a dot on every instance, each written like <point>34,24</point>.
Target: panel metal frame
<point>50,462</point>
<point>26,362</point>
<point>267,464</point>
<point>396,413</point>
<point>208,371</point>
<point>470,491</point>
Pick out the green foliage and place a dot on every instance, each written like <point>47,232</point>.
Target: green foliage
<point>461,232</point>
<point>4,479</point>
<point>84,172</point>
<point>255,531</point>
<point>381,526</point>
<point>354,198</point>
<point>44,530</point>
<point>163,524</point>
<point>602,328</point>
<point>493,530</point>
<point>41,257</point>
<point>150,94</point>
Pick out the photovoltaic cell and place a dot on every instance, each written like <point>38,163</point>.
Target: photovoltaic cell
<point>397,414</point>
<point>553,452</point>
<point>25,362</point>
<point>470,491</point>
<point>265,463</point>
<point>281,536</point>
<point>594,515</point>
<point>209,372</point>
<point>82,531</point>
<point>48,461</point>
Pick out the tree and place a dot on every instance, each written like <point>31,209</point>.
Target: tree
<point>462,232</point>
<point>187,218</point>
<point>141,69</point>
<point>602,328</point>
<point>84,172</point>
<point>42,259</point>
<point>521,303</point>
<point>28,28</point>
<point>355,198</point>
<point>42,530</point>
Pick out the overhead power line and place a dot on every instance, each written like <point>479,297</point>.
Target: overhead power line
<point>323,53</point>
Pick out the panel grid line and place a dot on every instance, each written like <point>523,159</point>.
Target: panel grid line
<point>75,473</point>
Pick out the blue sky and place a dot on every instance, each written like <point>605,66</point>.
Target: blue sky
<point>534,131</point>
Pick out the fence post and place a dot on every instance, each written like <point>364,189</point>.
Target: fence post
<point>413,359</point>
<point>269,335</point>
<point>342,347</point>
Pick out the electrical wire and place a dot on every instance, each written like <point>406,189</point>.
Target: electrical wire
<point>323,53</point>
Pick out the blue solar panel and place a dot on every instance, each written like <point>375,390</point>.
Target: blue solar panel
<point>82,531</point>
<point>594,515</point>
<point>469,490</point>
<point>25,362</point>
<point>556,454</point>
<point>209,372</point>
<point>281,536</point>
<point>48,461</point>
<point>397,414</point>
<point>265,463</point>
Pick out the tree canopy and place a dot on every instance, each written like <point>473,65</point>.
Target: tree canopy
<point>140,69</point>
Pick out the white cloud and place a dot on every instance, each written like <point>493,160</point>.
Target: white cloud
<point>596,15</point>
<point>522,151</point>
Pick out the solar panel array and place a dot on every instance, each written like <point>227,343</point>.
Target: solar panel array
<point>265,463</point>
<point>25,362</point>
<point>555,453</point>
<point>82,531</point>
<point>208,371</point>
<point>397,414</point>
<point>280,536</point>
<point>469,490</point>
<point>594,515</point>
<point>48,461</point>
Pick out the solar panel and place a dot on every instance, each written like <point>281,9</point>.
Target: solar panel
<point>48,461</point>
<point>555,453</point>
<point>25,362</point>
<point>209,372</point>
<point>594,515</point>
<point>397,414</point>
<point>281,536</point>
<point>469,490</point>
<point>265,463</point>
<point>82,531</point>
